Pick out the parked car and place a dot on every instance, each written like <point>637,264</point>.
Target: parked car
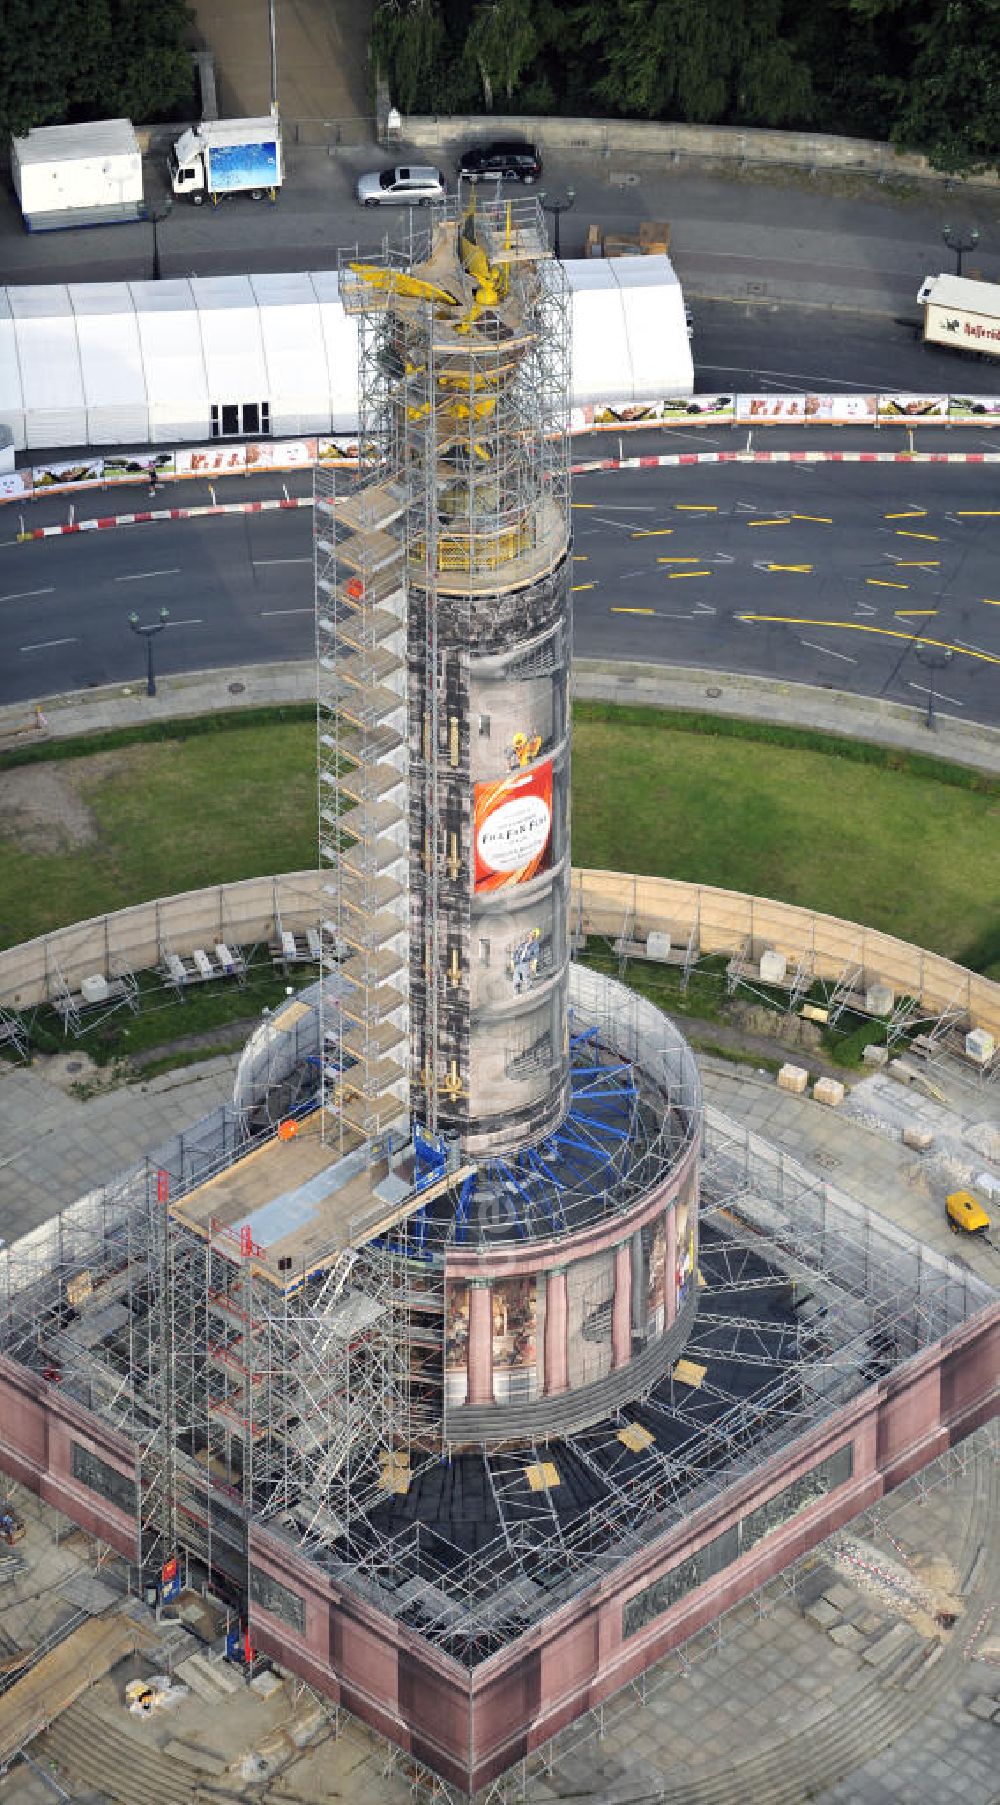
<point>506,158</point>
<point>414,187</point>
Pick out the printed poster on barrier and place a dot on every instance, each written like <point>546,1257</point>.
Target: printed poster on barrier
<point>513,828</point>
<point>281,454</point>
<point>983,410</point>
<point>807,410</point>
<point>211,460</point>
<point>912,410</point>
<point>341,449</point>
<point>15,483</point>
<point>135,466</point>
<point>85,472</point>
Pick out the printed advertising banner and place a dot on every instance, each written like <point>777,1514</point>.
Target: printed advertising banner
<point>806,410</point>
<point>513,828</point>
<point>15,484</point>
<point>980,410</point>
<point>282,454</point>
<point>913,409</point>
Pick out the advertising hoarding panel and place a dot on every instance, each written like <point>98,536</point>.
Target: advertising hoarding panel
<point>513,827</point>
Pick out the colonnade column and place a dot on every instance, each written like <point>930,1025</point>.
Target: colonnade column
<point>671,1265</point>
<point>621,1308</point>
<point>556,1377</point>
<point>480,1353</point>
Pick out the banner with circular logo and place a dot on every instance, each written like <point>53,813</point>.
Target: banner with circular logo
<point>513,827</point>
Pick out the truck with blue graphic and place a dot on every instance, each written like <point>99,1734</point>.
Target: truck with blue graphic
<point>228,156</point>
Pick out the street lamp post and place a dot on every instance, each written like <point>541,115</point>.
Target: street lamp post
<point>148,632</point>
<point>960,242</point>
<point>933,658</point>
<point>557,207</point>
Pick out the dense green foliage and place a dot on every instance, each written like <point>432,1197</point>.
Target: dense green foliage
<point>925,73</point>
<point>65,60</point>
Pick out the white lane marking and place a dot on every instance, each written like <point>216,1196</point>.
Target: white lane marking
<point>262,561</point>
<point>625,575</point>
<point>622,525</point>
<point>266,613</point>
<point>967,646</point>
<point>139,576</point>
<point>23,595</point>
<point>44,644</point>
<point>939,693</point>
<point>196,622</point>
<point>813,647</point>
<point>863,608</point>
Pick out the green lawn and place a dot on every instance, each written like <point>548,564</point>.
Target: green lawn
<point>902,848</point>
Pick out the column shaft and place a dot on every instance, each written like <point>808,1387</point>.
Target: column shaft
<point>480,1344</point>
<point>621,1309</point>
<point>556,1329</point>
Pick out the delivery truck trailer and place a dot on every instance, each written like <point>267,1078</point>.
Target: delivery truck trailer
<point>228,156</point>
<point>78,175</point>
<point>961,313</point>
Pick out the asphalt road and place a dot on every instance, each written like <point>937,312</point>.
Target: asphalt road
<point>823,574</point>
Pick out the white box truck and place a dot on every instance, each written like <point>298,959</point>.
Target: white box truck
<point>78,175</point>
<point>228,156</point>
<point>961,313</point>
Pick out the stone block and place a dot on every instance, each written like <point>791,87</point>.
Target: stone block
<point>875,1056</point>
<point>773,967</point>
<point>829,1091</point>
<point>983,1707</point>
<point>793,1078</point>
<point>657,945</point>
<point>879,999</point>
<point>920,1139</point>
<point>979,1045</point>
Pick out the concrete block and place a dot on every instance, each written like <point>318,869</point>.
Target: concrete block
<point>983,1707</point>
<point>920,1139</point>
<point>793,1078</point>
<point>989,1184</point>
<point>829,1091</point>
<point>879,999</point>
<point>657,945</point>
<point>773,967</point>
<point>979,1045</point>
<point>94,989</point>
<point>875,1056</point>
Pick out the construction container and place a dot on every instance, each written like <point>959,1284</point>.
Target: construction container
<point>78,175</point>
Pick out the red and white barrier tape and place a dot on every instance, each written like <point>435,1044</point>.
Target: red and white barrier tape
<point>673,459</point>
<point>106,520</point>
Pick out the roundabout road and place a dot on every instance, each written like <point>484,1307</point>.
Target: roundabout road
<point>882,580</point>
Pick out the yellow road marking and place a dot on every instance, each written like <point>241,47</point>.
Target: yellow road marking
<point>696,507</point>
<point>803,569</point>
<point>847,626</point>
<point>653,532</point>
<point>583,504</point>
<point>917,563</point>
<point>676,560</point>
<point>785,521</point>
<point>880,583</point>
<point>676,575</point>
<point>633,610</point>
<point>917,514</point>
<point>901,533</point>
<point>820,519</point>
<point>989,602</point>
<point>581,557</point>
<point>978,513</point>
<point>911,613</point>
<point>578,586</point>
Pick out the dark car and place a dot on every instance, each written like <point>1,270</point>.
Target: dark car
<point>506,159</point>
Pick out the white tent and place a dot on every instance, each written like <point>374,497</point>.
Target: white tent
<point>628,329</point>
<point>159,363</point>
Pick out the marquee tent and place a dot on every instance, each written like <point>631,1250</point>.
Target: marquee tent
<point>189,359</point>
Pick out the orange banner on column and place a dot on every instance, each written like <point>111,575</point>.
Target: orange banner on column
<point>513,827</point>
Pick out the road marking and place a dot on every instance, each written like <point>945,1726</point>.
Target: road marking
<point>915,563</point>
<point>922,687</point>
<point>863,608</point>
<point>820,519</point>
<point>583,504</point>
<point>44,644</point>
<point>633,610</point>
<point>23,595</point>
<point>988,602</point>
<point>581,557</point>
<point>696,507</point>
<point>846,626</point>
<point>969,647</point>
<point>261,561</point>
<point>813,647</point>
<point>883,583</point>
<point>578,586</point>
<point>786,521</point>
<point>912,613</point>
<point>196,621</point>
<point>978,513</point>
<point>674,576</point>
<point>653,532</point>
<point>677,560</point>
<point>139,576</point>
<point>802,569</point>
<point>266,613</point>
<point>914,514</point>
<point>901,533</point>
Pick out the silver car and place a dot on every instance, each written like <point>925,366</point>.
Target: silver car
<point>413,187</point>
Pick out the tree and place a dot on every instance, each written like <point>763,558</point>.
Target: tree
<point>501,43</point>
<point>408,42</point>
<point>92,59</point>
<point>36,64</point>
